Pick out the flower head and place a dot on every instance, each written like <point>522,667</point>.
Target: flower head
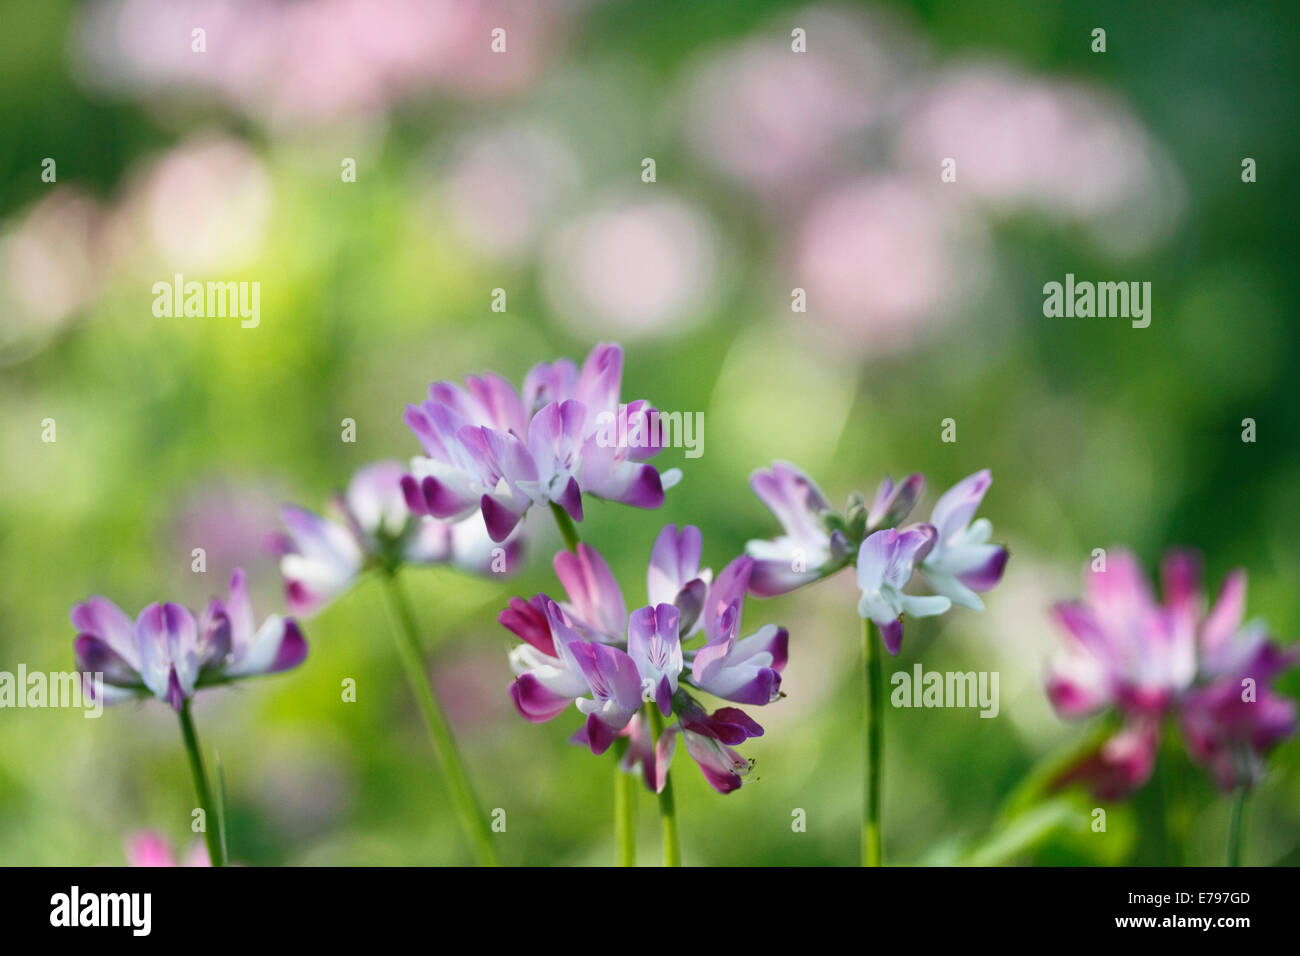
<point>588,651</point>
<point>322,558</point>
<point>1123,648</point>
<point>952,552</point>
<point>1150,660</point>
<point>493,450</point>
<point>885,563</point>
<point>166,652</point>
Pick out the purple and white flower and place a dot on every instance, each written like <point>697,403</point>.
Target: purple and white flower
<point>166,653</point>
<point>885,563</point>
<point>655,646</point>
<point>589,652</point>
<point>808,550</point>
<point>492,450</point>
<point>953,552</point>
<point>745,670</point>
<point>962,561</point>
<point>548,679</point>
<point>675,577</point>
<point>322,558</point>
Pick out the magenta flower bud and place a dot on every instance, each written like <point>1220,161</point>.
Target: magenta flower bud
<point>894,502</point>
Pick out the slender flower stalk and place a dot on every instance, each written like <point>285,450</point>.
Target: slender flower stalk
<point>444,745</point>
<point>875,755</point>
<point>568,531</point>
<point>667,806</point>
<point>322,558</point>
<point>220,778</point>
<point>624,785</point>
<point>1236,826</point>
<point>624,808</point>
<point>951,554</point>
<point>212,834</point>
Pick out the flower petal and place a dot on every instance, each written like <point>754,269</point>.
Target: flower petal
<point>954,510</point>
<point>101,618</point>
<point>674,562</point>
<point>593,591</point>
<point>535,701</point>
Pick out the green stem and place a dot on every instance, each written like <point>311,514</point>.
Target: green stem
<point>624,807</point>
<point>567,529</point>
<point>220,777</point>
<point>211,822</point>
<point>667,808</point>
<point>444,745</point>
<point>875,720</point>
<point>624,784</point>
<point>1236,826</point>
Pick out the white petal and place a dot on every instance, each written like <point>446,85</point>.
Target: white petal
<point>925,605</point>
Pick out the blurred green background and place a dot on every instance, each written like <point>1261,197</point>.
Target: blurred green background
<point>775,170</point>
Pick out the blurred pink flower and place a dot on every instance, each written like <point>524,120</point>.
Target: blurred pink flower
<point>883,261</point>
<point>50,264</point>
<point>305,63</point>
<point>234,521</point>
<point>1179,657</point>
<point>207,205</point>
<point>777,121</point>
<point>638,268</point>
<point>501,187</point>
<point>151,848</point>
<point>1062,149</point>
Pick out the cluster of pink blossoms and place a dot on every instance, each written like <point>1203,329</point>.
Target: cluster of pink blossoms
<point>1200,665</point>
<point>589,651</point>
<point>491,452</point>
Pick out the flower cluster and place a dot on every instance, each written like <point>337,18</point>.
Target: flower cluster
<point>951,550</point>
<point>491,449</point>
<point>491,452</point>
<point>590,652</point>
<point>321,558</point>
<point>170,654</point>
<point>1178,658</point>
